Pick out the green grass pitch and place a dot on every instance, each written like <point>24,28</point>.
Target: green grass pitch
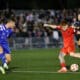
<point>38,64</point>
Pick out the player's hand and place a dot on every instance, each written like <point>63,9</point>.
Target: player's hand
<point>73,26</point>
<point>78,32</point>
<point>46,25</point>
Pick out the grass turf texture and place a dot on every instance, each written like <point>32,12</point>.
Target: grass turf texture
<point>38,64</point>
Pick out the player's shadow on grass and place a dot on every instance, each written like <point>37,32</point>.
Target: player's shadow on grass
<point>68,66</point>
<point>11,69</point>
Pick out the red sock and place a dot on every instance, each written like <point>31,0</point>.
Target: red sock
<point>63,65</point>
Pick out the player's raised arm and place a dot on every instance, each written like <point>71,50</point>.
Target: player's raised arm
<point>51,26</point>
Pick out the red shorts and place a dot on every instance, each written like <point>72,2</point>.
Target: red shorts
<point>67,50</point>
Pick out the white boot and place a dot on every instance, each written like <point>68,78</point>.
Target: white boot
<point>2,70</point>
<point>5,66</point>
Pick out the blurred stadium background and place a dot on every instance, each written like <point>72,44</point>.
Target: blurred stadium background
<point>29,34</point>
<point>31,14</point>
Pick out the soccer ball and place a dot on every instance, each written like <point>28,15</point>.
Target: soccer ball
<point>74,67</point>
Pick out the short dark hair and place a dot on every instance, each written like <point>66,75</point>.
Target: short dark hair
<point>6,17</point>
<point>63,22</point>
<point>10,19</point>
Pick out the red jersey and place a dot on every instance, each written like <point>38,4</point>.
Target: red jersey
<point>68,37</point>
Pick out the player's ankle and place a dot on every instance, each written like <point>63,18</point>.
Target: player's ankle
<point>64,67</point>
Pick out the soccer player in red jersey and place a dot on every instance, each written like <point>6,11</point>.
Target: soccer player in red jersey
<point>68,43</point>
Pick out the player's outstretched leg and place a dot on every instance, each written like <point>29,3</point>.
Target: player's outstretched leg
<point>8,57</point>
<point>77,55</point>
<point>3,59</point>
<point>62,62</point>
<point>8,60</point>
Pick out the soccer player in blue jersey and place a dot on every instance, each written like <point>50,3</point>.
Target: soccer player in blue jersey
<point>5,31</point>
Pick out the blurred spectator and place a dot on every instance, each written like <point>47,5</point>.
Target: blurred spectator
<point>29,22</point>
<point>56,38</point>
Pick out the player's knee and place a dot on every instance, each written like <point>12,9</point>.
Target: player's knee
<point>8,60</point>
<point>1,50</point>
<point>61,55</point>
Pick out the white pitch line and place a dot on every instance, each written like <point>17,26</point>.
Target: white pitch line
<point>43,72</point>
<point>33,72</point>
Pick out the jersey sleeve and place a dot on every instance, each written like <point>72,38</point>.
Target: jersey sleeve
<point>59,27</point>
<point>10,32</point>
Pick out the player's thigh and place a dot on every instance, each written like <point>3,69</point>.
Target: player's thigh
<point>71,49</point>
<point>1,49</point>
<point>8,57</point>
<point>64,51</point>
